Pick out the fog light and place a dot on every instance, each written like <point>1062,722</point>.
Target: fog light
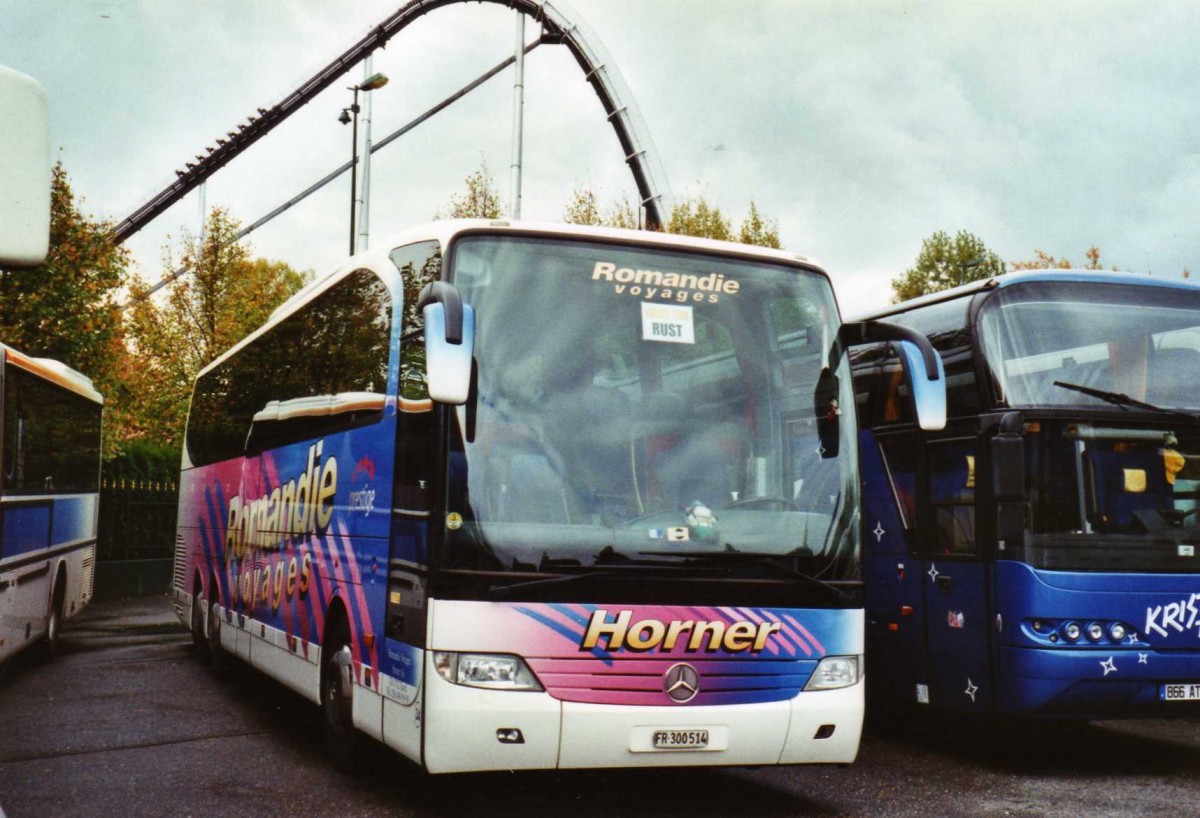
<point>1071,631</point>
<point>1095,631</point>
<point>1116,632</point>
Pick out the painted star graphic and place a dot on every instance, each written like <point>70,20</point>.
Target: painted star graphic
<point>820,450</point>
<point>1143,658</point>
<point>1132,637</point>
<point>878,532</point>
<point>1109,666</point>
<point>972,688</point>
<point>933,572</point>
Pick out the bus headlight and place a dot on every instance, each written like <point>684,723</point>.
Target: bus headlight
<point>1095,631</point>
<point>1072,631</point>
<point>494,671</point>
<point>1116,632</point>
<point>833,672</point>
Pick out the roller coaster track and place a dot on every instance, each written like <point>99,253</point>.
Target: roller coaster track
<point>559,24</point>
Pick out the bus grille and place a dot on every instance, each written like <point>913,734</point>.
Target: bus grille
<point>180,580</point>
<point>89,573</point>
<point>641,681</point>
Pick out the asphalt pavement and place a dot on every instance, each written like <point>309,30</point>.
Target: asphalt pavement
<point>127,722</point>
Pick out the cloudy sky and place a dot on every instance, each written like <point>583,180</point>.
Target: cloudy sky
<point>860,127</point>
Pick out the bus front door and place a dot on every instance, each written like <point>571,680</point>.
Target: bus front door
<point>956,582</point>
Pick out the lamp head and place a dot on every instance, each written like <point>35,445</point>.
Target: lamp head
<point>373,82</point>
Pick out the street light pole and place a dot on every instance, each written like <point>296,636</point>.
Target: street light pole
<point>371,83</point>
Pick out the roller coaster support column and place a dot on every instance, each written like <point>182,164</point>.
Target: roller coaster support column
<point>518,116</point>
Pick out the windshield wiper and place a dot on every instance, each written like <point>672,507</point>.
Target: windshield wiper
<point>616,571</point>
<point>1121,399</point>
<point>758,558</point>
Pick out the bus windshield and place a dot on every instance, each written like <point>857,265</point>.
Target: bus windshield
<point>1061,344</point>
<point>1117,457</point>
<point>635,404</point>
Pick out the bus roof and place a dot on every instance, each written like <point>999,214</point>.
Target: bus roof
<point>445,230</point>
<point>54,371</point>
<point>1009,279</point>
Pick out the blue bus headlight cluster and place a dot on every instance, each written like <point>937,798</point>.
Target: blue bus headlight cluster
<point>494,671</point>
<point>1073,632</point>
<point>833,672</point>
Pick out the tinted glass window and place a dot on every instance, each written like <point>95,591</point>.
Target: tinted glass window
<point>51,436</point>
<point>880,390</point>
<point>309,375</point>
<point>952,494</point>
<point>945,325</point>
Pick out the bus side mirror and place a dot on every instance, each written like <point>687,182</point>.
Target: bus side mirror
<point>449,343</point>
<point>24,171</point>
<point>1008,461</point>
<point>928,388</point>
<point>828,413</point>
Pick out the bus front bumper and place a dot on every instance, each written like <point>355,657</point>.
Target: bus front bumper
<point>1095,683</point>
<point>470,730</point>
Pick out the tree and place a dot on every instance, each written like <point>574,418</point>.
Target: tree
<point>584,209</point>
<point>946,262</point>
<point>66,308</point>
<point>759,231</point>
<point>1045,261</point>
<point>227,296</point>
<point>481,201</point>
<point>694,216</point>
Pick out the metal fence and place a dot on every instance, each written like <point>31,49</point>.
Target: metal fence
<point>137,519</point>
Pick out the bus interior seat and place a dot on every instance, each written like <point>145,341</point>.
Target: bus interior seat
<point>1127,482</point>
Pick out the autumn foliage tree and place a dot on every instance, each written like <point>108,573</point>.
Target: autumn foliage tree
<point>1045,261</point>
<point>480,200</point>
<point>693,216</point>
<point>227,295</point>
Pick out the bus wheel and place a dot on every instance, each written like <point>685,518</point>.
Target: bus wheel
<point>215,653</point>
<point>337,698</point>
<point>199,637</point>
<point>55,616</point>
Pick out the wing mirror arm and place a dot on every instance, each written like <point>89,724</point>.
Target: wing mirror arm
<point>870,332</point>
<point>449,343</point>
<point>439,292</point>
<point>922,365</point>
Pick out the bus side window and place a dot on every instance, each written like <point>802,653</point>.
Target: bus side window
<point>416,430</point>
<point>419,264</point>
<point>900,457</point>
<point>952,495</point>
<point>51,436</point>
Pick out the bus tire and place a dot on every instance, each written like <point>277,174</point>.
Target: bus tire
<point>337,698</point>
<point>54,615</point>
<point>199,635</point>
<point>216,655</point>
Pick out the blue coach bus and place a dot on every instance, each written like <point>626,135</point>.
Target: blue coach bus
<point>1038,555</point>
<point>49,498</point>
